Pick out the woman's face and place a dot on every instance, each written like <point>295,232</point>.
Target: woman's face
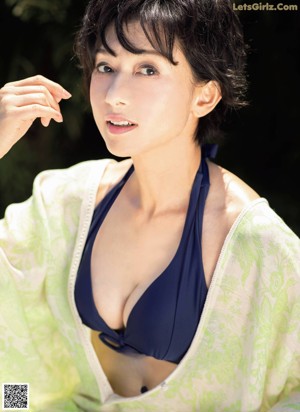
<point>141,102</point>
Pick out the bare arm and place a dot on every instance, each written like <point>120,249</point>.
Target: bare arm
<point>23,101</point>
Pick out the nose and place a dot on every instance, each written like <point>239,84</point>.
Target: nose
<point>117,93</point>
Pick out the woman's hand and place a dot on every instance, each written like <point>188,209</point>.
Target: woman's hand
<point>23,101</point>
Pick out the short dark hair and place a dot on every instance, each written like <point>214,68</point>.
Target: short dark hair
<point>209,34</point>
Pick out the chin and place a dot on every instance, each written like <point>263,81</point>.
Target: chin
<point>117,150</point>
<point>125,147</point>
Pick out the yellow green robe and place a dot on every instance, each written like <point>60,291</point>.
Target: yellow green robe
<point>245,356</point>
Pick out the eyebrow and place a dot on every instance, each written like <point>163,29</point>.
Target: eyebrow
<point>102,50</point>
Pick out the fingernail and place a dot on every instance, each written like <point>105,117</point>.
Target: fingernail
<point>66,94</point>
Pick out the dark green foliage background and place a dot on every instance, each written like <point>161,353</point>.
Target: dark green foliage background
<point>262,144</point>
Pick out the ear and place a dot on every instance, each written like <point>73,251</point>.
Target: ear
<point>207,97</point>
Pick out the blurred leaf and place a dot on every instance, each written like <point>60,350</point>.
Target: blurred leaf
<point>40,10</point>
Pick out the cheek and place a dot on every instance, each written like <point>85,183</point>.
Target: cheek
<point>174,104</point>
<point>93,94</point>
<point>96,92</point>
<point>163,99</point>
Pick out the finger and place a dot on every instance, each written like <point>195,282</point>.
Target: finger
<point>39,80</point>
<point>28,90</point>
<point>35,111</point>
<point>45,121</point>
<point>44,98</point>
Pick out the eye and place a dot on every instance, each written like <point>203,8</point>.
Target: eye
<point>148,71</point>
<point>103,68</point>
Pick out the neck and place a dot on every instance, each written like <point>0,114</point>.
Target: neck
<point>163,181</point>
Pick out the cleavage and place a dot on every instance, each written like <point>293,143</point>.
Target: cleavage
<point>125,263</point>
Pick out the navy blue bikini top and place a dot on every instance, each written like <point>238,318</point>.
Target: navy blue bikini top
<point>163,322</point>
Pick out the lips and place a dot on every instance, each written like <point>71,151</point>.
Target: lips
<point>117,124</point>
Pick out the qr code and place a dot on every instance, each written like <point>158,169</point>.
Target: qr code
<point>15,396</point>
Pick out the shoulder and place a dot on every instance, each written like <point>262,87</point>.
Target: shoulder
<point>246,216</point>
<point>227,198</point>
<point>229,192</point>
<point>259,246</point>
<point>86,181</point>
<point>260,226</point>
<point>78,172</point>
<point>76,181</point>
<point>260,239</point>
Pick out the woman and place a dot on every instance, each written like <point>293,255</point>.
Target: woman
<point>161,282</point>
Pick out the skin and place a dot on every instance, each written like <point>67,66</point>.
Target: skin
<point>142,230</point>
<point>23,101</point>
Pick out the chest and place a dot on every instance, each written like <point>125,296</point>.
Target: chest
<point>129,255</point>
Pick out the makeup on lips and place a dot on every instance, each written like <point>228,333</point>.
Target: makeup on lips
<point>119,125</point>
